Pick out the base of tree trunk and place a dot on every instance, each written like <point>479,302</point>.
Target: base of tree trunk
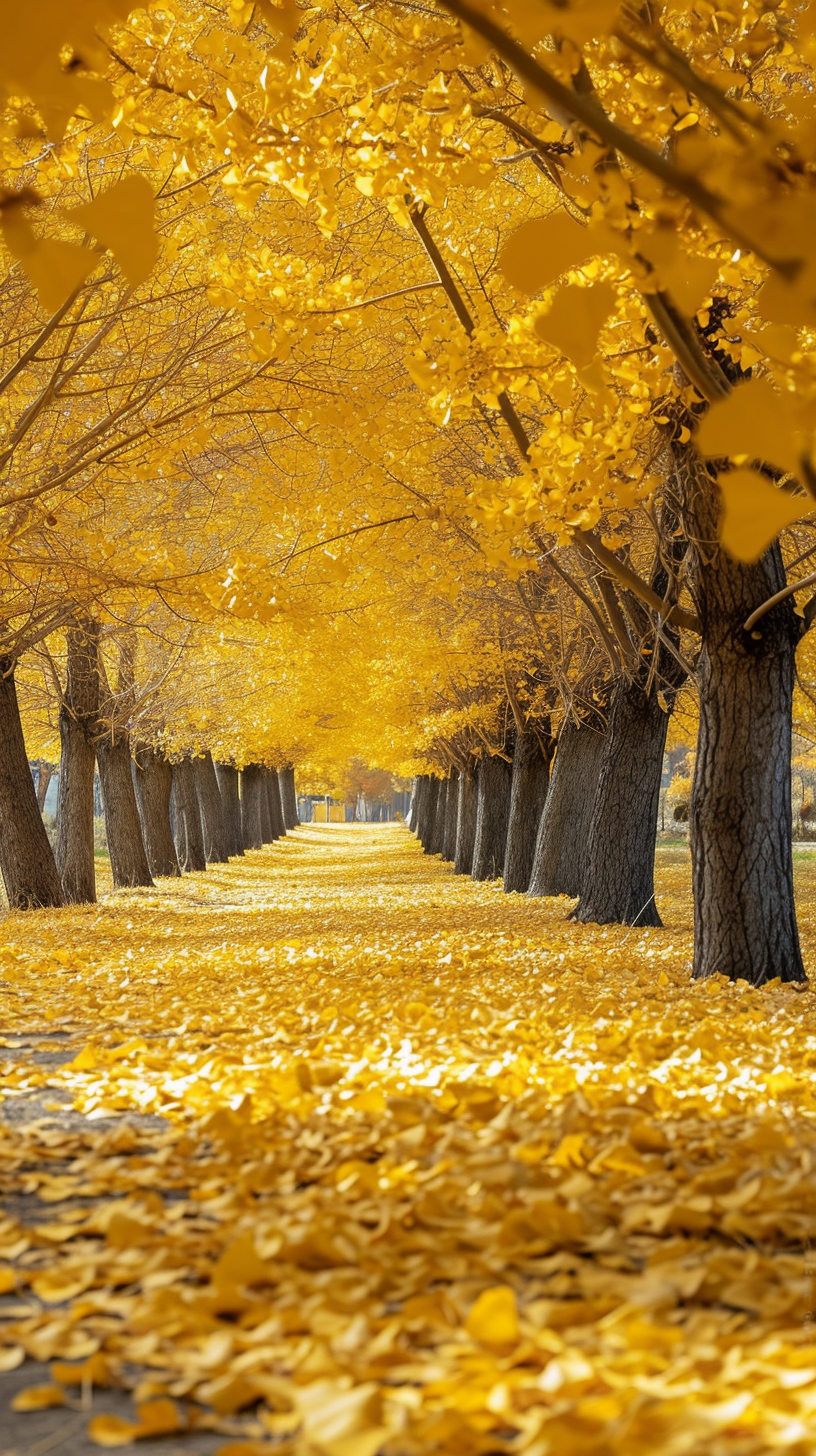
<point>288,793</point>
<point>420,817</point>
<point>251,803</point>
<point>437,834</point>
<point>492,818</point>
<point>153,783</point>
<point>275,805</point>
<point>268,835</point>
<point>528,795</point>
<point>78,723</point>
<point>740,824</point>
<point>228,784</point>
<point>451,817</point>
<point>210,807</point>
<point>189,835</point>
<point>428,823</point>
<point>618,882</point>
<point>123,829</point>
<point>26,858</point>
<point>563,831</point>
<point>75,812</point>
<point>467,809</point>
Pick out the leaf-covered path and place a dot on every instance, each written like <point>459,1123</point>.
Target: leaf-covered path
<point>329,1151</point>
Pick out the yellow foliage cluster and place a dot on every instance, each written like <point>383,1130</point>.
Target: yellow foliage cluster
<point>438,1170</point>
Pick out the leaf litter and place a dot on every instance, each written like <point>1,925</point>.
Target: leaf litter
<point>372,1159</point>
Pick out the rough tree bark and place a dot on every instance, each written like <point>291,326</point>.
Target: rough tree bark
<point>288,793</point>
<point>528,795</point>
<point>251,797</point>
<point>45,773</point>
<point>467,809</point>
<point>740,815</point>
<point>75,795</point>
<point>189,834</point>
<point>426,829</point>
<point>451,816</point>
<point>26,859</point>
<point>437,834</point>
<point>617,886</point>
<point>420,799</point>
<point>153,781</point>
<point>563,831</point>
<point>492,817</point>
<point>267,831</point>
<point>123,828</point>
<point>216,850</point>
<point>275,805</point>
<point>227,777</point>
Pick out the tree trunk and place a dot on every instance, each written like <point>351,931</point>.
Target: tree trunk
<point>153,781</point>
<point>189,833</point>
<point>451,816</point>
<point>231,804</point>
<point>426,831</point>
<point>420,803</point>
<point>740,816</point>
<point>251,797</point>
<point>268,835</point>
<point>216,850</point>
<point>75,797</point>
<point>563,831</point>
<point>45,774</point>
<point>528,795</point>
<point>410,814</point>
<point>492,817</point>
<point>618,879</point>
<point>275,804</point>
<point>288,793</point>
<point>466,812</point>
<point>128,858</point>
<point>437,833</point>
<point>26,859</point>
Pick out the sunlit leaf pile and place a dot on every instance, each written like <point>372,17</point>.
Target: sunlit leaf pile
<point>436,1170</point>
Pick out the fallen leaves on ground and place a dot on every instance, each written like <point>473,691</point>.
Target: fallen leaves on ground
<point>437,1171</point>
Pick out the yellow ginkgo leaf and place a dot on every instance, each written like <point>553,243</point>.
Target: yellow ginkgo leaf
<point>38,1397</point>
<point>56,268</point>
<point>123,219</point>
<point>493,1320</point>
<point>95,1370</point>
<point>124,1232</point>
<point>158,1418</point>
<point>335,1412</point>
<point>575,319</point>
<point>581,21</point>
<point>544,248</point>
<point>113,1431</point>
<point>755,421</point>
<point>687,277</point>
<point>240,1264</point>
<point>754,512</point>
<point>56,1285</point>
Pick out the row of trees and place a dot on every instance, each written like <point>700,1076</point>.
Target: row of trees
<point>164,815</point>
<point>422,345</point>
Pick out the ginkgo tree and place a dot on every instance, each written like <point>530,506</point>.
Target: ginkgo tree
<point>587,232</point>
